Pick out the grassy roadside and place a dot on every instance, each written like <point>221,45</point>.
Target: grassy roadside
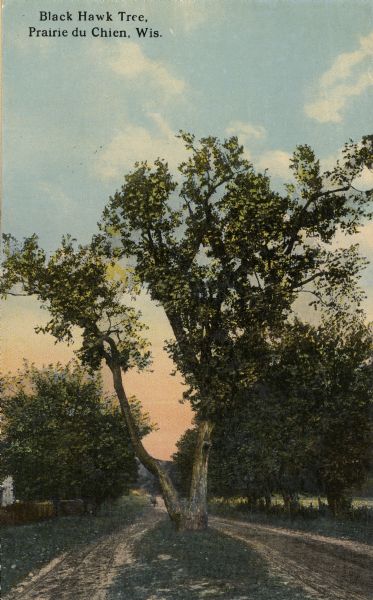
<point>26,548</point>
<point>360,530</point>
<point>185,566</point>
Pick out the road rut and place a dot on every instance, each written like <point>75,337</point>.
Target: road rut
<point>326,568</point>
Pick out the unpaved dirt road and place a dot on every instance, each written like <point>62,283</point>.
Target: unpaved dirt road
<point>88,573</point>
<point>326,568</point>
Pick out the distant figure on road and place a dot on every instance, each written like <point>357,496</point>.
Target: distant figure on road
<point>153,500</point>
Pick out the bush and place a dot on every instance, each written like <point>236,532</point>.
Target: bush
<point>71,507</point>
<point>63,437</point>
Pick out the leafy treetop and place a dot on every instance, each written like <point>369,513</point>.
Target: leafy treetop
<point>226,256</point>
<point>79,288</point>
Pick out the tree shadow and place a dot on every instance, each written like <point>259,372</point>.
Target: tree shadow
<point>176,566</point>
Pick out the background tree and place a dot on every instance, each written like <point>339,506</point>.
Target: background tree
<point>225,257</point>
<point>183,460</point>
<point>307,424</point>
<point>341,449</point>
<point>62,438</point>
<point>323,376</point>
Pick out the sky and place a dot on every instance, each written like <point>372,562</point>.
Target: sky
<point>79,111</point>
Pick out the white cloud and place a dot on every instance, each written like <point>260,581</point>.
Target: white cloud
<point>193,14</point>
<point>188,15</point>
<point>365,180</point>
<point>245,131</point>
<point>137,143</point>
<point>364,238</point>
<point>329,162</point>
<point>362,183</point>
<point>130,62</point>
<point>277,163</point>
<point>349,76</point>
<point>54,195</point>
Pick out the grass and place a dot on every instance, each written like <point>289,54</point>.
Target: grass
<point>186,566</point>
<point>26,548</point>
<point>362,503</point>
<point>306,501</point>
<point>357,527</point>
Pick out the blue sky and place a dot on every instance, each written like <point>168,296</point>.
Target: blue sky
<point>79,111</point>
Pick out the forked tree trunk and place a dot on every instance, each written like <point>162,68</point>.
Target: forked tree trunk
<point>193,514</point>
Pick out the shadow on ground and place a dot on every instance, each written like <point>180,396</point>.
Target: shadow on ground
<point>171,566</point>
<point>26,548</point>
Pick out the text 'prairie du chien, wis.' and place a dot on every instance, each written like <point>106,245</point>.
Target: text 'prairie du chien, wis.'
<point>136,25</point>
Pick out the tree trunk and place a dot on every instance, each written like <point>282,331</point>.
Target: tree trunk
<point>169,493</point>
<point>286,500</point>
<point>332,501</point>
<point>291,502</point>
<point>195,515</point>
<point>337,502</point>
<point>268,501</point>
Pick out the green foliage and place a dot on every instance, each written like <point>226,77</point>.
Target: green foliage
<point>183,460</point>
<point>226,256</point>
<point>79,287</point>
<point>62,438</point>
<point>305,427</point>
<point>218,249</point>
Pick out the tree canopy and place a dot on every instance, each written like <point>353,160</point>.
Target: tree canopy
<point>306,426</point>
<point>63,438</point>
<point>226,256</point>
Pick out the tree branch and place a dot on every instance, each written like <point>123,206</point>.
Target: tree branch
<point>299,223</point>
<point>169,493</point>
<point>309,279</point>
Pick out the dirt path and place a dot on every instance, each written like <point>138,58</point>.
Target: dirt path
<point>89,572</point>
<point>326,568</point>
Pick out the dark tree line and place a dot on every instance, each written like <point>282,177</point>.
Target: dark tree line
<point>306,427</point>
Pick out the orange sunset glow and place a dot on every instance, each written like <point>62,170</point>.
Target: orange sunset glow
<point>158,391</point>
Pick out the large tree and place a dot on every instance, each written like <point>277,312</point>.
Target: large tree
<point>61,436</point>
<point>223,254</point>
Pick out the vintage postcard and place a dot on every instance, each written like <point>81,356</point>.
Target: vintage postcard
<point>186,299</point>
